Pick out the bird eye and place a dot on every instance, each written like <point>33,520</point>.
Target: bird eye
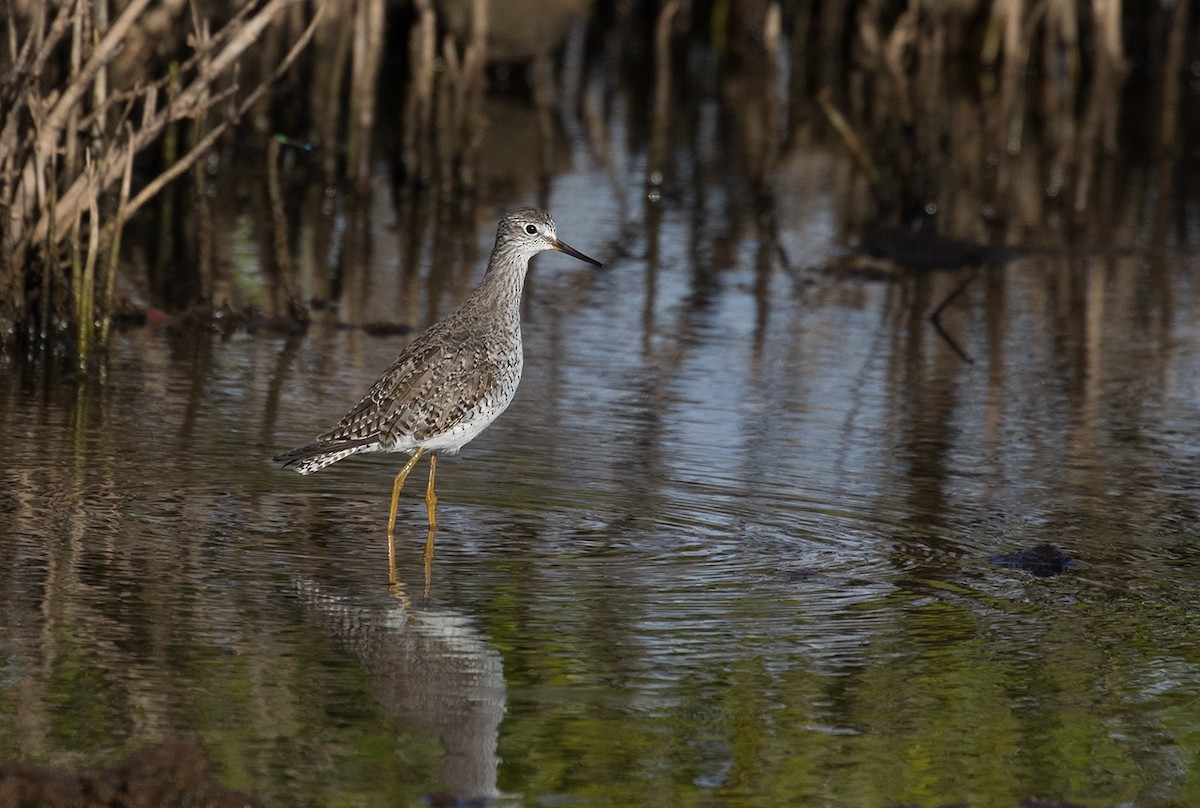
<point>531,230</point>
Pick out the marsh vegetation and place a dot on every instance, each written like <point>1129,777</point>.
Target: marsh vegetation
<point>1045,124</point>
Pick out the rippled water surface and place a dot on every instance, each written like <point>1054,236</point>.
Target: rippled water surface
<point>734,543</point>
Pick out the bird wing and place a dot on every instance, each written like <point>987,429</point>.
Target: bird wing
<point>431,388</point>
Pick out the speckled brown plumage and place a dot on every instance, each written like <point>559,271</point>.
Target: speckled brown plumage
<point>455,378</point>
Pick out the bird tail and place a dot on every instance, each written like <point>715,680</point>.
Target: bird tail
<point>321,453</point>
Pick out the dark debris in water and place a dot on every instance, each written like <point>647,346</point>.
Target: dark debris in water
<point>166,776</point>
<point>919,250</point>
<point>801,574</point>
<point>890,253</point>
<point>1043,560</point>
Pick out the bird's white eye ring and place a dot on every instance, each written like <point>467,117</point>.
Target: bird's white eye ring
<point>531,230</point>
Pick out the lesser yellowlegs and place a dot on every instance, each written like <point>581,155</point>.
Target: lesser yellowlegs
<point>452,381</point>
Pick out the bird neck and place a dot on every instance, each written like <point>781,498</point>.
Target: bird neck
<point>504,280</point>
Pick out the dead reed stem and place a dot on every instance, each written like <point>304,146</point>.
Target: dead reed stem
<point>846,132</point>
<point>418,106</point>
<point>87,289</point>
<point>1033,141</point>
<point>114,251</point>
<point>661,116</point>
<point>204,226</point>
<point>333,42</point>
<point>443,112</point>
<point>50,183</point>
<point>366,57</point>
<point>471,120</point>
<point>191,101</point>
<point>285,267</point>
<point>1168,124</point>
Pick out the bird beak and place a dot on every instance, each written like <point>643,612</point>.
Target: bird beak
<point>574,253</point>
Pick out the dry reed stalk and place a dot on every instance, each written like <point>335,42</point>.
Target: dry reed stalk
<point>79,40</point>
<point>204,227</point>
<point>802,26</point>
<point>1097,132</point>
<point>846,132</point>
<point>1168,122</point>
<point>418,106</point>
<point>899,43</point>
<point>367,56</point>
<point>472,119</point>
<point>445,135</point>
<point>751,89</point>
<point>929,96</point>
<point>87,318</point>
<point>774,115</point>
<point>45,191</point>
<point>332,46</point>
<point>661,114</point>
<point>76,258</point>
<point>284,266</point>
<point>165,247</point>
<point>48,276</point>
<point>114,251</point>
<point>834,17</point>
<point>1060,89</point>
<point>100,82</point>
<point>209,140</point>
<point>1016,57</point>
<point>68,102</point>
<point>457,93</point>
<point>16,91</point>
<point>597,130</point>
<point>190,101</point>
<point>1010,29</point>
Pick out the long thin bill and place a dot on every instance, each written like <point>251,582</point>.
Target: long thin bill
<point>574,253</point>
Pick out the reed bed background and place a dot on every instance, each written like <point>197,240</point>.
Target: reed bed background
<point>992,121</point>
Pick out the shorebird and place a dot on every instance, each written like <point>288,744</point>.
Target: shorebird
<point>453,380</point>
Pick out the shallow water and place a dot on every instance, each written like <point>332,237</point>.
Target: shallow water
<point>729,546</point>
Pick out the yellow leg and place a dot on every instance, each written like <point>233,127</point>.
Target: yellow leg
<point>396,486</point>
<point>430,496</point>
<point>431,507</point>
<point>427,556</point>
